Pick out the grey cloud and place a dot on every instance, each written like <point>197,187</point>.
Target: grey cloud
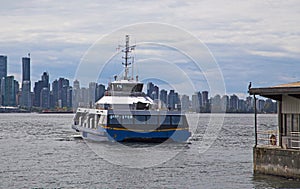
<point>248,39</point>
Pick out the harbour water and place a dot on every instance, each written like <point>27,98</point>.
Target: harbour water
<point>38,151</point>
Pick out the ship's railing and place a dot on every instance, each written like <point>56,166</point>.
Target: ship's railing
<point>267,138</point>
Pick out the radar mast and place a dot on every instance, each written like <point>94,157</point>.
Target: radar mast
<point>127,50</point>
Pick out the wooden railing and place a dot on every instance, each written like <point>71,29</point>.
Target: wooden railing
<point>295,140</point>
<point>267,138</point>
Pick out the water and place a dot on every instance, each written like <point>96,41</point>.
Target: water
<point>38,151</point>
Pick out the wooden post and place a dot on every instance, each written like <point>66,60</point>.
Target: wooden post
<point>280,122</point>
<point>255,121</point>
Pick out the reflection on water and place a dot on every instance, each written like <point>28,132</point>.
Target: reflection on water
<point>39,151</point>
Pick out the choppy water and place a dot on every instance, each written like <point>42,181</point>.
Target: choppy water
<point>38,151</point>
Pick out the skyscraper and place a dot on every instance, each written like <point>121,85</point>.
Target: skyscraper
<point>45,98</point>
<point>196,102</point>
<point>173,100</point>
<point>38,87</point>
<point>152,91</point>
<point>225,103</point>
<point>3,66</point>
<point>155,92</point>
<point>163,98</point>
<point>9,91</point>
<point>25,69</point>
<point>204,98</point>
<point>92,93</point>
<point>76,85</point>
<point>26,83</point>
<point>185,103</point>
<point>54,96</point>
<point>100,90</point>
<point>234,102</point>
<point>150,88</point>
<point>76,94</point>
<point>61,93</point>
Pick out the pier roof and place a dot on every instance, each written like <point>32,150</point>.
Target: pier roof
<point>276,92</point>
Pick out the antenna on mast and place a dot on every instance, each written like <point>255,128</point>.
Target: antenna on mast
<point>126,51</point>
<point>132,67</point>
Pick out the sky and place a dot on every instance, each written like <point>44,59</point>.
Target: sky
<point>257,41</point>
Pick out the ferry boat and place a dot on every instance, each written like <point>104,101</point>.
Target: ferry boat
<point>125,113</point>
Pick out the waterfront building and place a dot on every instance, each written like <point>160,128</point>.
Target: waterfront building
<point>196,102</point>
<point>204,98</point>
<point>9,92</point>
<point>92,94</point>
<point>76,85</point>
<point>26,69</point>
<point>3,74</point>
<point>270,106</point>
<point>163,98</point>
<point>69,97</point>
<point>185,103</point>
<point>38,87</point>
<point>84,93</point>
<point>61,93</point>
<point>26,96</point>
<point>3,66</point>
<point>216,104</point>
<point>100,90</point>
<point>155,92</point>
<point>76,94</point>
<point>205,108</point>
<point>45,98</point>
<point>260,105</point>
<point>152,91</point>
<point>278,152</point>
<point>225,103</point>
<point>54,94</point>
<point>234,103</point>
<point>1,90</point>
<point>241,105</point>
<point>173,100</point>
<point>249,104</point>
<point>17,90</point>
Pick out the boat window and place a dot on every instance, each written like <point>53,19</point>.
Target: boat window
<point>114,119</point>
<point>127,119</point>
<point>119,87</point>
<point>152,120</point>
<point>137,88</point>
<point>167,121</point>
<point>139,119</point>
<point>102,120</point>
<point>176,120</point>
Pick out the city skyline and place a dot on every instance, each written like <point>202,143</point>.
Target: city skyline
<point>26,76</point>
<point>60,94</point>
<point>251,41</point>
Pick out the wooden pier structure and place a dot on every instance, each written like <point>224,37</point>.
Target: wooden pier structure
<point>278,153</point>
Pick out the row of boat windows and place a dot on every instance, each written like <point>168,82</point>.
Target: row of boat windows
<point>145,119</point>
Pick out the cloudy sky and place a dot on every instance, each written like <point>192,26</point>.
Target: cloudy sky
<point>256,41</point>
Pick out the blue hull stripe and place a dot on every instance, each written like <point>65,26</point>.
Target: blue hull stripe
<point>121,135</point>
